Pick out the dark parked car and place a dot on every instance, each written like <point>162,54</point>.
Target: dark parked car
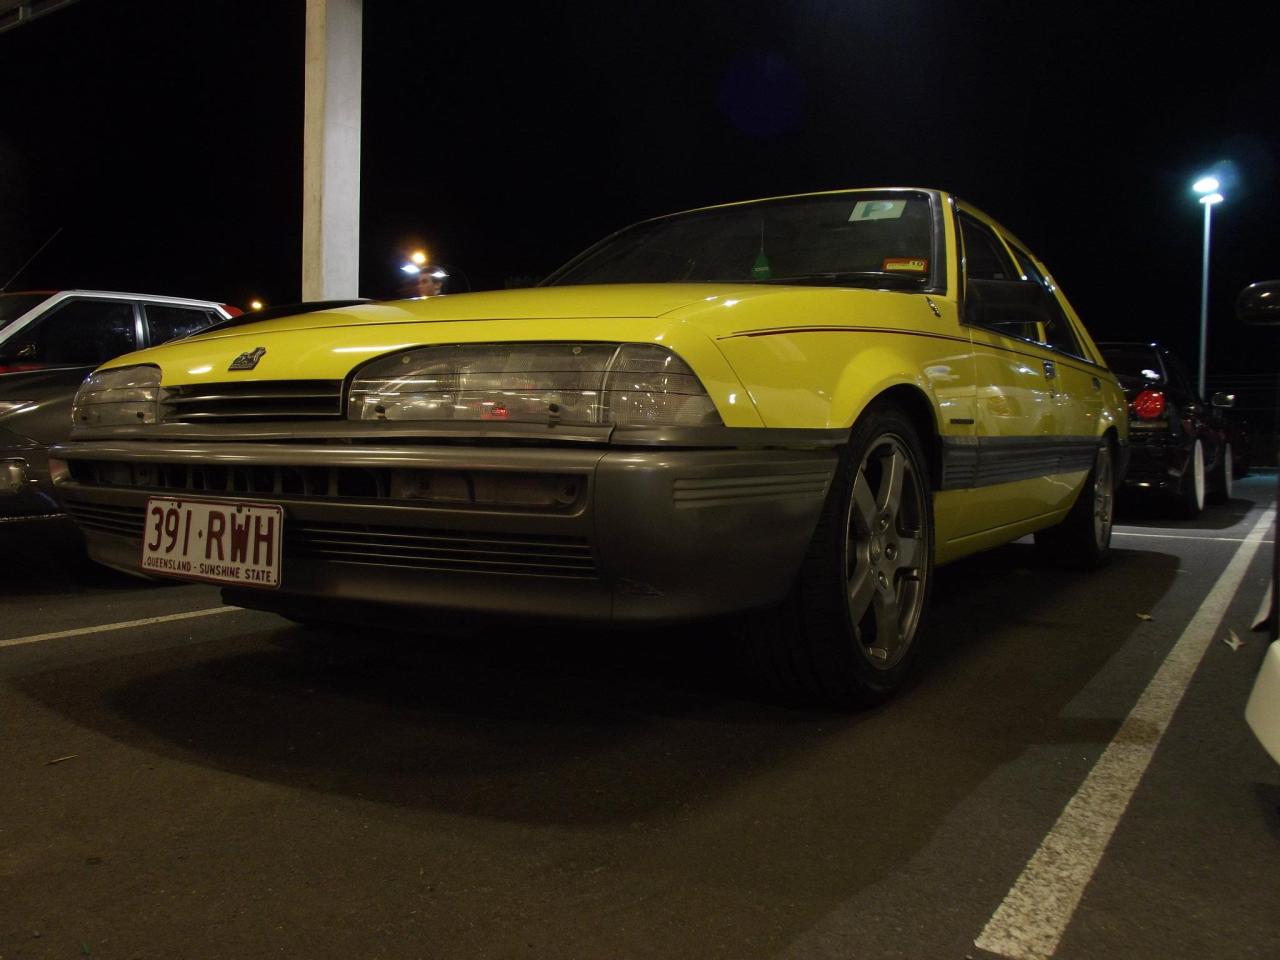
<point>1180,444</point>
<point>49,342</point>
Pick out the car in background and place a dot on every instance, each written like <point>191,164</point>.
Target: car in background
<point>49,342</point>
<point>1181,447</point>
<point>789,408</point>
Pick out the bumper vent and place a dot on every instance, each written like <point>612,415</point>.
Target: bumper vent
<point>251,402</point>
<point>536,555</point>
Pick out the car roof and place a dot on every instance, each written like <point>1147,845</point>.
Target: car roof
<point>123,295</point>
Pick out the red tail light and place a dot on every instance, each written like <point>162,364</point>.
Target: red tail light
<point>1149,404</point>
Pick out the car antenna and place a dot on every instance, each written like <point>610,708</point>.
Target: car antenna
<point>52,237</point>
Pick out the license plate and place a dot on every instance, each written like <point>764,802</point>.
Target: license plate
<point>236,543</point>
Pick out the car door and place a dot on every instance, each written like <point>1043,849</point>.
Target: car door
<point>79,331</point>
<point>1079,401</point>
<point>1017,405</point>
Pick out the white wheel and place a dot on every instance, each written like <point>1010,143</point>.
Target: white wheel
<point>1191,495</point>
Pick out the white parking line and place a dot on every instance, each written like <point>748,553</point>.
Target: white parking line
<point>1182,536</point>
<point>123,625</point>
<point>1030,921</point>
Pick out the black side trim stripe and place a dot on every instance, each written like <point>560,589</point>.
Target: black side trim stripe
<point>776,331</point>
<point>985,461</point>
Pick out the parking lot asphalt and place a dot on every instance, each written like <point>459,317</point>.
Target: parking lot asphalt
<point>1069,776</point>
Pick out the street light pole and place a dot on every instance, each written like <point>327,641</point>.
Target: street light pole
<point>1204,297</point>
<point>1207,187</point>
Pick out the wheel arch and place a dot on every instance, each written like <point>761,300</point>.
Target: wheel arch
<point>920,410</point>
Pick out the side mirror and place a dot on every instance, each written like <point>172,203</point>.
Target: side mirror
<point>1015,307</point>
<point>1259,304</point>
<point>1223,401</point>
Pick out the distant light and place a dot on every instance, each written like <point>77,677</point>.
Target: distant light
<point>1206,185</point>
<point>420,256</point>
<point>255,304</point>
<point>1211,199</point>
<point>411,268</point>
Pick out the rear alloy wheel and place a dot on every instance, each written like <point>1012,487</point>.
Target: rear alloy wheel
<point>1223,474</point>
<point>847,635</point>
<point>1191,492</point>
<point>1083,539</point>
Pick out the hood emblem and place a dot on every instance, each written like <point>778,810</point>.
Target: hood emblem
<point>248,360</point>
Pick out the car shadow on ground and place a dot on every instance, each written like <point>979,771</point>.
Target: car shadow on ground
<point>546,724</point>
<point>1140,509</point>
<point>47,557</point>
<point>639,747</point>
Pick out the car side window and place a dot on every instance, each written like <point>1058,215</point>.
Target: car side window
<point>167,322</point>
<point>1057,329</point>
<point>984,256</point>
<point>79,332</point>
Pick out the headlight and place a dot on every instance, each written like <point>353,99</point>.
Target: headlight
<point>622,384</point>
<point>111,398</point>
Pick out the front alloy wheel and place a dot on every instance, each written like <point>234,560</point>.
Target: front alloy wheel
<point>847,634</point>
<point>885,546</point>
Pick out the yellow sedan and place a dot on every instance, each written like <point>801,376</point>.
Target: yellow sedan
<point>793,408</point>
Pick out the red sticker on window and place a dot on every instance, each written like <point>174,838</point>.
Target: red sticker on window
<point>906,265</point>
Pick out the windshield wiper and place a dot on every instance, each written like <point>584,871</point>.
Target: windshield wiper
<point>851,278</point>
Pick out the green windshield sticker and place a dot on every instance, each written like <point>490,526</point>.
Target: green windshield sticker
<point>760,269</point>
<point>878,210</point>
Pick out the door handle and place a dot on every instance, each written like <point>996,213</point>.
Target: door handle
<point>1050,369</point>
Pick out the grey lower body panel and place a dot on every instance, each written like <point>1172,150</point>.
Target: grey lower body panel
<point>637,535</point>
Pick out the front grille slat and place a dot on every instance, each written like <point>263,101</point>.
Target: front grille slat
<point>251,401</point>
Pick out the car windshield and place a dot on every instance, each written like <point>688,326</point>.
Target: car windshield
<point>14,305</point>
<point>1137,368</point>
<point>865,238</point>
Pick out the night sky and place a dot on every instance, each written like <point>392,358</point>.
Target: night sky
<point>164,138</point>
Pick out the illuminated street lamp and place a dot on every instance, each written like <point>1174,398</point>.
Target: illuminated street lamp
<point>1207,187</point>
<point>255,304</point>
<point>419,257</point>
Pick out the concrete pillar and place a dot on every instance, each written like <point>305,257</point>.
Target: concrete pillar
<point>331,151</point>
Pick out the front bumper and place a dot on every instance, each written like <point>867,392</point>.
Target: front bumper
<point>589,532</point>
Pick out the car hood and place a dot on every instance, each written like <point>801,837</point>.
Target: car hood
<point>687,318</point>
<point>539,303</point>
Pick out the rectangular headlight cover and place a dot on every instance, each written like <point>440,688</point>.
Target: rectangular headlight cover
<point>620,384</point>
<point>124,396</point>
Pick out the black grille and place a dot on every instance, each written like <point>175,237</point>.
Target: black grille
<point>264,400</point>
<point>458,489</point>
<point>537,555</point>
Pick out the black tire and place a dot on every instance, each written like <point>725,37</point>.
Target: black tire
<point>1189,500</point>
<point>1082,541</point>
<point>847,634</point>
<point>1223,475</point>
